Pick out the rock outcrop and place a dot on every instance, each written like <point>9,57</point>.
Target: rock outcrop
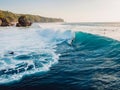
<point>9,19</point>
<point>0,22</point>
<point>4,22</point>
<point>23,22</point>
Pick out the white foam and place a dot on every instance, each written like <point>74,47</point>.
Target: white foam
<point>24,41</point>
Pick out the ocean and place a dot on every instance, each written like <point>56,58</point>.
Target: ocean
<point>60,56</point>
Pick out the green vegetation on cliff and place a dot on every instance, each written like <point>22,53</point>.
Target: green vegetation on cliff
<point>12,17</point>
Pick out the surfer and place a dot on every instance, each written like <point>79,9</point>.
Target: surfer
<point>12,53</point>
<point>104,31</point>
<point>71,41</point>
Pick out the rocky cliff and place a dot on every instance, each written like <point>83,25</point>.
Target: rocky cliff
<point>13,17</point>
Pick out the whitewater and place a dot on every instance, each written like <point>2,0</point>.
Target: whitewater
<point>78,56</point>
<point>34,51</point>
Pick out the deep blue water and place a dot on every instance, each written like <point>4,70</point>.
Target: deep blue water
<point>86,62</point>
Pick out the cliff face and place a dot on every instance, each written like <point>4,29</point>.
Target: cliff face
<point>12,17</point>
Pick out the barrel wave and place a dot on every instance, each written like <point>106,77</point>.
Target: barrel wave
<point>58,60</point>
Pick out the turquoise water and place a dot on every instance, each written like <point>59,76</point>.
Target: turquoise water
<point>47,59</point>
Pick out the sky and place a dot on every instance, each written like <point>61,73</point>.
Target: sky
<point>69,10</point>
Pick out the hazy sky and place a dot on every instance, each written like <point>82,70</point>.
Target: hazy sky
<point>69,10</point>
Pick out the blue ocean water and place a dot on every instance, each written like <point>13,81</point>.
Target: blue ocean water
<point>46,59</point>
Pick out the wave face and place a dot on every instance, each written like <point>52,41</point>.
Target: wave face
<point>74,60</point>
<point>91,62</point>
